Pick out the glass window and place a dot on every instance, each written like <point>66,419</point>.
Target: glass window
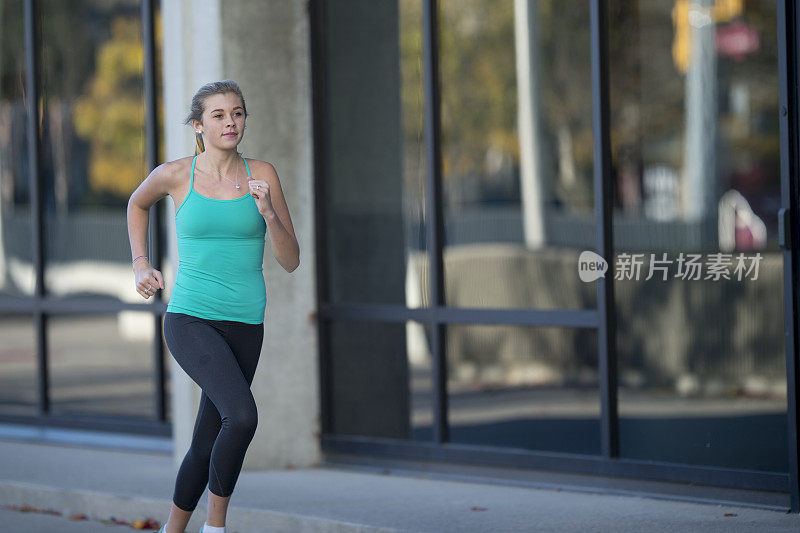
<point>517,153</point>
<point>102,364</point>
<point>374,213</point>
<point>380,376</point>
<point>93,136</point>
<point>19,380</point>
<point>694,89</point>
<point>523,387</point>
<point>17,276</point>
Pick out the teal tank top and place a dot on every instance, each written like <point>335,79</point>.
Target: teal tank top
<point>220,258</point>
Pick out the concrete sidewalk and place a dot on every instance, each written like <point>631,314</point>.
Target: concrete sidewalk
<point>135,485</point>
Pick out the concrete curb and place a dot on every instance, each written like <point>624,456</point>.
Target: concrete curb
<point>102,506</point>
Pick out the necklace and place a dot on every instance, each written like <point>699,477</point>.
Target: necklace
<point>237,175</point>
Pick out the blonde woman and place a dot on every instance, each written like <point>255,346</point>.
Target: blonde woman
<point>214,323</point>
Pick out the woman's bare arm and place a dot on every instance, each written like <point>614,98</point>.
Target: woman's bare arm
<point>157,185</point>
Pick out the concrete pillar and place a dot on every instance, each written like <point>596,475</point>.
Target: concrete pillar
<point>263,46</point>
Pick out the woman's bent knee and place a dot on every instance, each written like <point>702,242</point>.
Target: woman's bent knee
<point>243,420</point>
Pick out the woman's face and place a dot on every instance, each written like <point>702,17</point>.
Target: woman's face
<point>223,121</point>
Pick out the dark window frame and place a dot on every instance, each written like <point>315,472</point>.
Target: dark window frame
<point>437,316</point>
<point>40,305</point>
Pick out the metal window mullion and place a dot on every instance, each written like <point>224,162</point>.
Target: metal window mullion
<point>528,461</point>
<point>34,156</point>
<point>603,201</point>
<point>434,222</point>
<point>318,93</point>
<point>788,46</point>
<point>155,225</point>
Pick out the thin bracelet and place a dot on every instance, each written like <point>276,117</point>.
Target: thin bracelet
<point>132,262</point>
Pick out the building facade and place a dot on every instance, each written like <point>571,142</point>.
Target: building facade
<point>553,236</point>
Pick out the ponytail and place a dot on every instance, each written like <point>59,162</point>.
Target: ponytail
<point>199,147</point>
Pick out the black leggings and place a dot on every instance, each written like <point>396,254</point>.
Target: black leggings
<point>221,357</point>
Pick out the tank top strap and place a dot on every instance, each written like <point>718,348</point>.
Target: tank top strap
<point>247,167</point>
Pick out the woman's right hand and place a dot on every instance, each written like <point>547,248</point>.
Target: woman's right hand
<point>148,279</point>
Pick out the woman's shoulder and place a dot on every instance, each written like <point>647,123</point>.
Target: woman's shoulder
<point>260,168</point>
<point>174,170</point>
<point>258,163</point>
<point>179,164</point>
<point>165,179</point>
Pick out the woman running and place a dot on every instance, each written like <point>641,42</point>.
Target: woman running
<point>214,322</point>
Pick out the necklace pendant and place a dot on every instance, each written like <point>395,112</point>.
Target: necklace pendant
<point>237,186</point>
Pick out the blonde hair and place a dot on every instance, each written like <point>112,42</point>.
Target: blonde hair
<point>199,103</point>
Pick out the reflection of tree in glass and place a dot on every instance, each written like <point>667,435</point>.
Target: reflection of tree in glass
<point>110,114</point>
<point>478,84</point>
<point>12,107</point>
<point>563,42</point>
<point>412,97</point>
<point>12,50</point>
<point>647,90</point>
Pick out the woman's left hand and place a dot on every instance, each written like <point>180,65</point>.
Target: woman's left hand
<point>259,189</point>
